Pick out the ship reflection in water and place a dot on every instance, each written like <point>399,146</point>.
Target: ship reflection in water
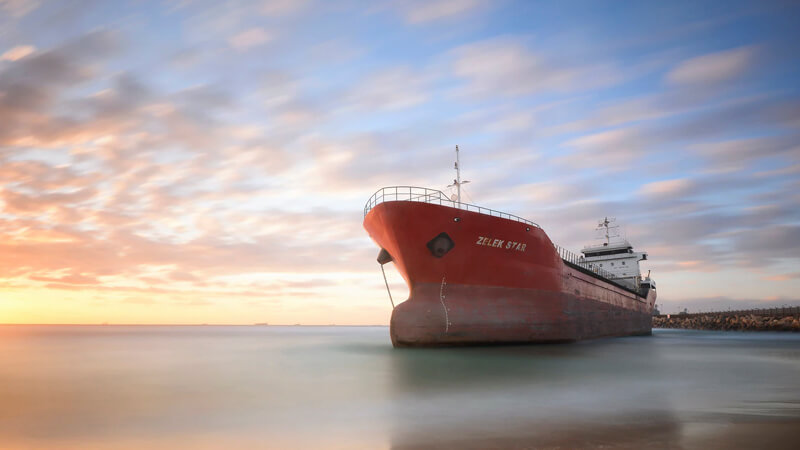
<point>341,387</point>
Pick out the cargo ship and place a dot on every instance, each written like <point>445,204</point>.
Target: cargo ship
<point>477,276</point>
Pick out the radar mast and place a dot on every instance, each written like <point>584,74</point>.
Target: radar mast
<point>457,182</point>
<point>606,230</point>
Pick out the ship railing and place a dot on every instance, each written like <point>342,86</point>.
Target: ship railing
<point>580,261</point>
<point>425,195</point>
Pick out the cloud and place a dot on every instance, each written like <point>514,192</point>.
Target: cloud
<point>785,170</point>
<point>168,167</point>
<point>544,194</point>
<point>123,253</point>
<point>282,7</point>
<point>687,224</point>
<point>669,188</point>
<point>38,175</point>
<point>334,51</point>
<point>17,52</point>
<point>618,149</point>
<point>417,12</point>
<point>506,66</point>
<point>67,279</point>
<point>61,66</point>
<point>18,8</point>
<point>714,67</point>
<point>389,89</point>
<point>740,153</point>
<point>374,159</point>
<point>20,203</point>
<point>30,86</point>
<point>768,244</point>
<point>638,109</point>
<point>247,39</point>
<point>783,277</point>
<point>613,150</point>
<point>515,121</point>
<point>178,275</point>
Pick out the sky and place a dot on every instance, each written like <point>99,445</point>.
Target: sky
<point>208,162</point>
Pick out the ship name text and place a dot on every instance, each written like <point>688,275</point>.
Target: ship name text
<point>500,243</point>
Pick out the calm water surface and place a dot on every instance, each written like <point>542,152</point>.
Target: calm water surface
<point>345,387</point>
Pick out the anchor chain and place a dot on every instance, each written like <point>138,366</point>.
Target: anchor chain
<point>387,286</point>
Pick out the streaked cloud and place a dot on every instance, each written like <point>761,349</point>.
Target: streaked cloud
<point>17,52</point>
<point>507,66</point>
<point>674,187</point>
<point>282,7</point>
<point>417,12</point>
<point>18,8</point>
<point>713,67</point>
<point>391,89</point>
<point>247,39</point>
<point>783,277</point>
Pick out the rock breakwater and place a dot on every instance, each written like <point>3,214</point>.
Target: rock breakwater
<point>774,319</point>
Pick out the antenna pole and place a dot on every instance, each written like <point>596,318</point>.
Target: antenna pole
<point>458,177</point>
<point>457,182</point>
<point>605,229</point>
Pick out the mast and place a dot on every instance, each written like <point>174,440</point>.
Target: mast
<point>458,176</point>
<point>608,231</point>
<point>457,182</point>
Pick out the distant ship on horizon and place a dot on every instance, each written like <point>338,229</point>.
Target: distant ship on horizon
<point>478,276</point>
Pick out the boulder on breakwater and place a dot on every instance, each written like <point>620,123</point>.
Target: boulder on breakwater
<point>774,319</point>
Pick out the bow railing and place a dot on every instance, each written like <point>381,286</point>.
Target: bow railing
<point>425,195</point>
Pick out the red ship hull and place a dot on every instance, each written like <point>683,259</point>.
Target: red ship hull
<point>502,281</point>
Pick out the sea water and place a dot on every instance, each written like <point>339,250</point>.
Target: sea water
<point>346,387</point>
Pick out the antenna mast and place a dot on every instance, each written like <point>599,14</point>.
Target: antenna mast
<point>458,176</point>
<point>608,231</point>
<point>457,182</point>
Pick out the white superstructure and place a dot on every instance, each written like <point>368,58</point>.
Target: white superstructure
<point>617,258</point>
